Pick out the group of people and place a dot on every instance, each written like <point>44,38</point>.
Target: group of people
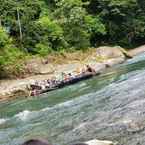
<point>77,72</point>
<point>38,86</point>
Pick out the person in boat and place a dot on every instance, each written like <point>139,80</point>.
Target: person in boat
<point>50,83</point>
<point>43,84</point>
<point>54,81</point>
<point>36,142</point>
<point>35,86</point>
<point>78,71</point>
<point>71,76</point>
<point>90,69</point>
<point>62,76</point>
<point>83,70</point>
<point>65,77</point>
<point>47,83</point>
<point>34,92</point>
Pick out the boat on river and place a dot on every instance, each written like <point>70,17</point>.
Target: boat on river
<point>37,89</point>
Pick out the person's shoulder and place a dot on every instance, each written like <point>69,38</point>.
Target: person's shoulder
<point>36,142</point>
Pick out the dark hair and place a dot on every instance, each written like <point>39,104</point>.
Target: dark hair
<point>80,144</point>
<point>36,142</point>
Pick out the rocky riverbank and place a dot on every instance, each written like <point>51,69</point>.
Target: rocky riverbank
<point>99,59</point>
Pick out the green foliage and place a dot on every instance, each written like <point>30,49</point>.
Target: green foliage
<point>73,24</point>
<point>77,24</point>
<point>9,54</point>
<point>124,20</point>
<point>43,49</point>
<point>94,25</point>
<point>4,39</point>
<point>44,32</point>
<point>67,25</point>
<point>53,30</point>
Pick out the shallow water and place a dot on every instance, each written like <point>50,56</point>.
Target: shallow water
<point>109,106</point>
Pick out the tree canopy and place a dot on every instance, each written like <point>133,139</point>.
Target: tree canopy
<point>44,26</point>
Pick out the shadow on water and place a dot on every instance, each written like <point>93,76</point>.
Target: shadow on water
<point>109,106</point>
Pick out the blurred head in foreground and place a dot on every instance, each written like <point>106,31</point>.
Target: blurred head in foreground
<point>36,142</point>
<point>80,144</point>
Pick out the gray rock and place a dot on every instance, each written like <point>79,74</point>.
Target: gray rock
<point>137,50</point>
<point>99,142</point>
<point>110,52</point>
<point>114,61</point>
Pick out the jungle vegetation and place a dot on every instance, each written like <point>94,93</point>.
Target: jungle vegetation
<point>41,27</point>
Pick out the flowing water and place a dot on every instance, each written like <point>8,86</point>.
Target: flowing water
<point>110,106</point>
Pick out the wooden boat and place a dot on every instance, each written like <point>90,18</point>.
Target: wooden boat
<point>61,84</point>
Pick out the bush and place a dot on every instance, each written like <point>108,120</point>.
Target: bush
<point>9,54</point>
<point>44,33</point>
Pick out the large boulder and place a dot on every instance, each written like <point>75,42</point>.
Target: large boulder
<point>46,69</point>
<point>68,68</point>
<point>37,66</point>
<point>137,50</point>
<point>106,52</point>
<point>97,66</point>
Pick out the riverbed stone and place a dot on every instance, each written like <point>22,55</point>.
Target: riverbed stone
<point>67,68</point>
<point>48,69</point>
<point>106,52</point>
<point>99,142</point>
<point>137,51</point>
<point>114,61</point>
<point>98,67</point>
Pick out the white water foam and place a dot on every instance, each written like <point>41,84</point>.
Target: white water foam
<point>23,115</point>
<point>26,114</point>
<point>2,121</point>
<point>45,109</point>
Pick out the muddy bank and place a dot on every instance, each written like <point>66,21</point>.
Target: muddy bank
<point>99,59</point>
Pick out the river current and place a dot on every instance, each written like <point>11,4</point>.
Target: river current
<point>110,106</point>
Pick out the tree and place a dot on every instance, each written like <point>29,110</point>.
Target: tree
<point>44,33</point>
<point>124,20</point>
<point>77,24</point>
<point>8,52</point>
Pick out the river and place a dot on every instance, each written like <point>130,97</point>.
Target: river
<point>110,106</point>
